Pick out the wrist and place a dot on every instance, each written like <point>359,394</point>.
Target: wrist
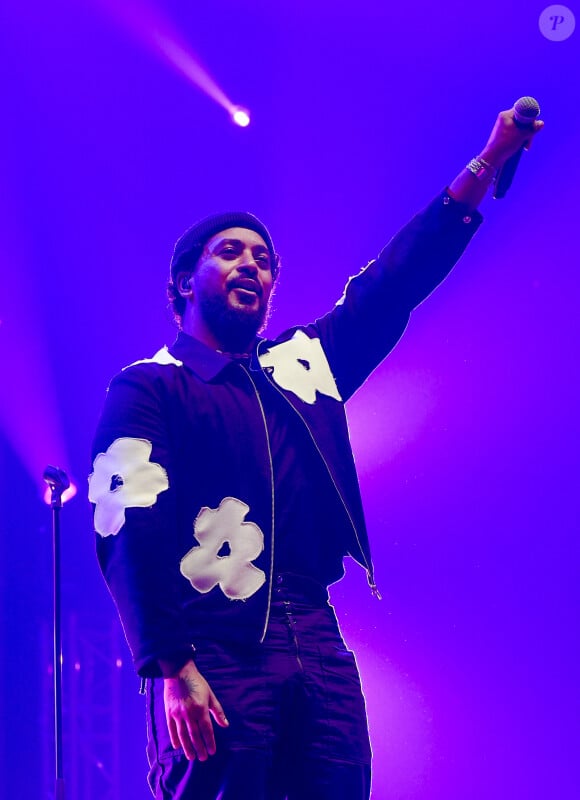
<point>171,665</point>
<point>483,169</point>
<point>494,156</point>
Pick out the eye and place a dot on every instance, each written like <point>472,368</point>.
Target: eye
<point>263,258</point>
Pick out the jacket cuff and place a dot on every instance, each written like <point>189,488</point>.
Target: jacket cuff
<point>170,665</point>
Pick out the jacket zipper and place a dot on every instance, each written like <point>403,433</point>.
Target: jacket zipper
<point>273,524</point>
<point>370,572</point>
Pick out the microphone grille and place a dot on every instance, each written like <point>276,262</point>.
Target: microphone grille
<point>526,109</point>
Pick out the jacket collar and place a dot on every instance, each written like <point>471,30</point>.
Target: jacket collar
<point>203,360</point>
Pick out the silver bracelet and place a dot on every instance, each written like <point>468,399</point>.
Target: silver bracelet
<point>482,169</point>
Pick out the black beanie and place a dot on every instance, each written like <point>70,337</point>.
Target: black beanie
<point>189,247</point>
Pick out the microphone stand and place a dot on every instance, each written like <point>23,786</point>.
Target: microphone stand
<point>58,481</point>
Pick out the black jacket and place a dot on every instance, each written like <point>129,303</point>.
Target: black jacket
<point>182,447</point>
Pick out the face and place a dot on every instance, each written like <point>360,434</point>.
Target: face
<point>231,287</point>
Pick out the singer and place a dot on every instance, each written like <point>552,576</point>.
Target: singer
<point>225,499</point>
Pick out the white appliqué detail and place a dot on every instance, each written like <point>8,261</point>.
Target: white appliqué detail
<point>123,477</point>
<point>236,576</point>
<point>300,366</point>
<point>162,356</point>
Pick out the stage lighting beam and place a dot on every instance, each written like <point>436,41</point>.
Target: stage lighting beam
<point>241,117</point>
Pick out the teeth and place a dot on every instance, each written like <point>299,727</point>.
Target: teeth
<point>247,288</point>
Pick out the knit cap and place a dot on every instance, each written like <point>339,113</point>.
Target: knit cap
<point>189,246</point>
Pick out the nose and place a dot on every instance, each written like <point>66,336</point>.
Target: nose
<point>247,262</point>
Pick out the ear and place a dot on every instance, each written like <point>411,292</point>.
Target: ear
<point>183,284</point>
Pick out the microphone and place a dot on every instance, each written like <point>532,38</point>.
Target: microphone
<point>526,111</point>
<point>56,478</point>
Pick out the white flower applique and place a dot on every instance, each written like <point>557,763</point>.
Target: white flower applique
<point>123,477</point>
<point>300,366</point>
<point>162,356</point>
<point>227,546</point>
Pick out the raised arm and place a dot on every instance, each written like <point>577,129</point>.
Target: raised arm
<point>506,138</point>
<point>373,313</point>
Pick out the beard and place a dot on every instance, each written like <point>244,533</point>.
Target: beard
<point>235,327</point>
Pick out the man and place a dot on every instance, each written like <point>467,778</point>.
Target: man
<point>226,497</point>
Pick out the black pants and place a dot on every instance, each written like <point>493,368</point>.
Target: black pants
<point>297,717</point>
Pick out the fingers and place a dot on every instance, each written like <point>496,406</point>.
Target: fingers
<point>538,125</point>
<point>180,736</point>
<point>507,138</point>
<point>189,740</point>
<point>194,737</point>
<point>205,739</point>
<point>217,711</point>
<point>173,735</point>
<point>194,733</point>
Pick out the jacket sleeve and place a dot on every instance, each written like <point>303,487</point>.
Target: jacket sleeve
<point>131,488</point>
<point>371,316</point>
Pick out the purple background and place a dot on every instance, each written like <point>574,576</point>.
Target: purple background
<point>466,438</point>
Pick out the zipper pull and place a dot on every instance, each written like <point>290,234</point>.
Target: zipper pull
<point>374,589</point>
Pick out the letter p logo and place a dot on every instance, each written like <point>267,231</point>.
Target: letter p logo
<point>557,23</point>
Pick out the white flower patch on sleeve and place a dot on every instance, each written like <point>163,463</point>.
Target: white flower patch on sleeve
<point>227,546</point>
<point>300,366</point>
<point>123,477</point>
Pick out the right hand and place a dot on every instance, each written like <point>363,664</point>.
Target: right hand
<point>189,702</point>
<point>506,138</point>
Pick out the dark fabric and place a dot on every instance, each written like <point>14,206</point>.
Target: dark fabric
<point>190,244</point>
<point>306,502</point>
<point>296,711</point>
<point>203,418</point>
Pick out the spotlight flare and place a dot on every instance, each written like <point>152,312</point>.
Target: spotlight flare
<point>241,117</point>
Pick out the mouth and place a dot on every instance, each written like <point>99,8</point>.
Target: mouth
<point>247,287</point>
